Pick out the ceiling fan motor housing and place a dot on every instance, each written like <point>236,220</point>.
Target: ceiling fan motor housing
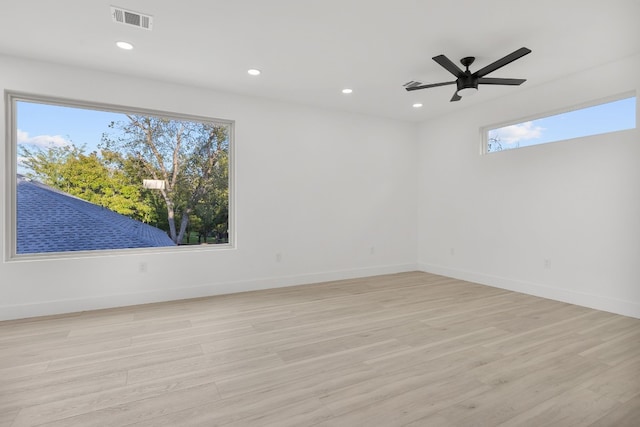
<point>467,81</point>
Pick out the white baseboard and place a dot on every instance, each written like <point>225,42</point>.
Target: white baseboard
<point>598,302</point>
<point>46,308</point>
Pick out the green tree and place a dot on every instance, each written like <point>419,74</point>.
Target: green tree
<point>90,177</point>
<point>213,208</point>
<point>46,165</point>
<point>187,156</point>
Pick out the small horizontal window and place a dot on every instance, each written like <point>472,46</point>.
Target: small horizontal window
<point>593,120</point>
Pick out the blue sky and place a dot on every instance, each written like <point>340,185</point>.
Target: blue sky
<point>44,125</point>
<point>609,117</point>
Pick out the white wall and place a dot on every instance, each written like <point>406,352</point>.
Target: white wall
<point>319,187</point>
<point>323,187</point>
<point>494,219</point>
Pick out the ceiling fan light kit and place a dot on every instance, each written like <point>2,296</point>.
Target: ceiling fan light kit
<point>467,91</point>
<point>466,81</point>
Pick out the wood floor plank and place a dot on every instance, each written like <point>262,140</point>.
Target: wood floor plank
<point>551,332</point>
<point>56,378</point>
<point>617,350</point>
<point>64,348</point>
<point>622,382</point>
<point>62,390</point>
<point>127,330</point>
<point>576,407</point>
<point>144,409</point>
<point>7,417</point>
<point>436,348</point>
<point>402,408</point>
<point>610,326</point>
<point>624,415</point>
<point>61,409</point>
<point>307,412</point>
<point>19,371</point>
<point>305,368</point>
<point>407,349</point>
<point>506,400</point>
<point>514,366</point>
<point>375,391</point>
<point>127,357</point>
<point>221,371</point>
<point>10,343</point>
<point>264,400</point>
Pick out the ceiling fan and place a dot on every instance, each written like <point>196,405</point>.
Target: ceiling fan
<point>467,81</point>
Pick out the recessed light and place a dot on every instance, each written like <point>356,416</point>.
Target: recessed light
<point>254,72</point>
<point>417,105</point>
<point>124,45</point>
<point>347,90</point>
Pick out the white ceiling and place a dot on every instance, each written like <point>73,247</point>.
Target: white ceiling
<point>309,50</point>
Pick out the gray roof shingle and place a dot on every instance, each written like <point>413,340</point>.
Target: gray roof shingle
<point>50,220</point>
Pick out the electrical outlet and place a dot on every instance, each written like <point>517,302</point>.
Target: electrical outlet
<point>547,263</point>
<point>142,267</point>
<point>452,251</point>
<point>372,250</point>
<point>278,256</point>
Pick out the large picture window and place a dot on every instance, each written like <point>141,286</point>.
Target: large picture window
<point>598,118</point>
<point>89,177</point>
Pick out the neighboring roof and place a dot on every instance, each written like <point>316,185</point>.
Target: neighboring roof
<point>50,220</point>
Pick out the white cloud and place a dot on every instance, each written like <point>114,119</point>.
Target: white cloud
<point>516,133</point>
<point>44,141</point>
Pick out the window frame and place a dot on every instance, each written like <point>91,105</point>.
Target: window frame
<point>11,98</point>
<point>484,130</point>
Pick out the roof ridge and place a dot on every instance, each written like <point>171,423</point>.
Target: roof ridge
<point>109,219</point>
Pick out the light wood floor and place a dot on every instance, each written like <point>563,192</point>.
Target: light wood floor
<point>410,349</point>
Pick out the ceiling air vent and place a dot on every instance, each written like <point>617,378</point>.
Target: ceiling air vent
<point>129,17</point>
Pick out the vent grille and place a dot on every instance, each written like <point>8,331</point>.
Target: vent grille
<point>129,17</point>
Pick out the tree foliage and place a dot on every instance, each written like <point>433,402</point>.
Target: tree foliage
<point>190,157</point>
<point>90,177</point>
<point>494,143</point>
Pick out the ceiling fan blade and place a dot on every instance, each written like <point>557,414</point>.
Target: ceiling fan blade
<point>510,82</point>
<point>502,62</point>
<point>448,65</point>
<point>410,88</point>
<point>455,97</point>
